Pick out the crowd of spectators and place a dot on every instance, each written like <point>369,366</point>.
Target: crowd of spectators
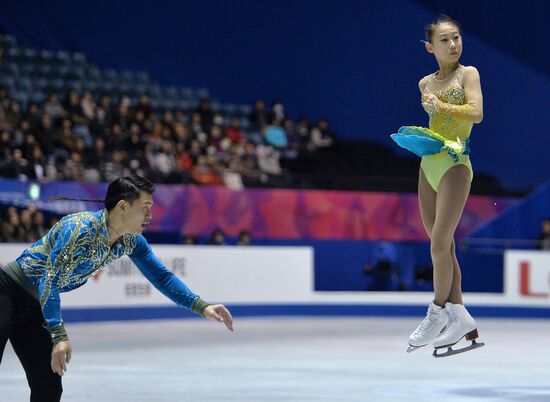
<point>86,138</point>
<point>27,225</point>
<point>24,226</point>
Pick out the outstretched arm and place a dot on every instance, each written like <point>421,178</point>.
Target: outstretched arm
<point>471,111</point>
<point>172,287</point>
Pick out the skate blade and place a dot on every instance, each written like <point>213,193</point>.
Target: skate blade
<point>450,351</point>
<point>412,348</point>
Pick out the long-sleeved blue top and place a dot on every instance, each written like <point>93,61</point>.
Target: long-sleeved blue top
<point>75,249</point>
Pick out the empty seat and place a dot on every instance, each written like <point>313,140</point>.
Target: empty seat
<point>111,75</point>
<point>142,77</point>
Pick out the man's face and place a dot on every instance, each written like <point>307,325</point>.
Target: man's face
<point>138,214</point>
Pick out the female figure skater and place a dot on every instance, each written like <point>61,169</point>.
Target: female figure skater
<point>452,97</point>
<point>73,250</point>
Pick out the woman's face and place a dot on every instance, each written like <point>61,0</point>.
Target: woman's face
<point>446,43</point>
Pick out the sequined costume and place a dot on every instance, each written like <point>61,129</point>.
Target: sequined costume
<point>446,143</point>
<point>73,251</point>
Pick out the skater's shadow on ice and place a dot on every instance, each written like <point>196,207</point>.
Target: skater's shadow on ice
<point>527,393</point>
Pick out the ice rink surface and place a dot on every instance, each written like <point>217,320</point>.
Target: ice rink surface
<point>293,360</point>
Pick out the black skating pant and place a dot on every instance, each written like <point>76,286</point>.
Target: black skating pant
<point>21,322</point>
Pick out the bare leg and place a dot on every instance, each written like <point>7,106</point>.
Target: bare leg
<point>452,194</point>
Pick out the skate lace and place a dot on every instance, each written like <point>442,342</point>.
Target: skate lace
<point>426,325</point>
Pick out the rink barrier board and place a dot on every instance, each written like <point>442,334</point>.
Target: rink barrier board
<point>310,310</point>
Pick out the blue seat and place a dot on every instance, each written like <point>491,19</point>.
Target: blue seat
<point>9,68</point>
<point>127,76</point>
<point>29,54</point>
<point>111,75</point>
<point>202,93</point>
<point>46,56</point>
<point>78,58</point>
<point>40,83</point>
<point>24,84</point>
<point>38,97</point>
<point>170,92</point>
<point>142,77</point>
<point>74,84</point>
<point>154,90</point>
<point>92,72</point>
<point>7,81</point>
<point>62,58</point>
<point>186,93</point>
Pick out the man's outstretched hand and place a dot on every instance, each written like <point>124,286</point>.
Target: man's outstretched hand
<point>218,312</point>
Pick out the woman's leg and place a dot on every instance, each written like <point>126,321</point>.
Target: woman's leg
<point>426,200</point>
<point>452,194</point>
<point>455,296</point>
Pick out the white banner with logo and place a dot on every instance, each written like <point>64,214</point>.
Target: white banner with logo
<point>527,277</point>
<point>227,274</point>
<point>278,275</point>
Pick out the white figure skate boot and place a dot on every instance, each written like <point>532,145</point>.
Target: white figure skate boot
<point>429,328</point>
<point>461,325</point>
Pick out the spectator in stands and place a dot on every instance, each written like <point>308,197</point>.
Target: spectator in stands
<point>117,138</point>
<point>122,117</point>
<point>258,118</point>
<point>6,145</point>
<point>250,169</point>
<point>544,238</point>
<point>244,238</point>
<point>144,106</point>
<point>25,221</point>
<point>46,134</point>
<point>66,138</point>
<point>294,139</point>
<point>74,167</point>
<point>37,164</point>
<point>13,114</point>
<point>202,173</point>
<point>104,112</point>
<point>12,232</point>
<point>215,138</point>
<point>217,238</point>
<point>269,160</point>
<point>73,108</point>
<point>17,166</point>
<point>190,240</point>
<point>277,111</point>
<point>88,105</point>
<point>115,167</point>
<point>275,134</point>
<point>234,132</point>
<point>28,144</point>
<point>53,107</point>
<point>33,116</point>
<point>205,111</point>
<point>196,125</point>
<point>164,163</point>
<point>38,228</point>
<point>304,131</point>
<point>321,135</point>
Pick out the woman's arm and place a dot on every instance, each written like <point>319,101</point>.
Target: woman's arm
<point>472,110</point>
